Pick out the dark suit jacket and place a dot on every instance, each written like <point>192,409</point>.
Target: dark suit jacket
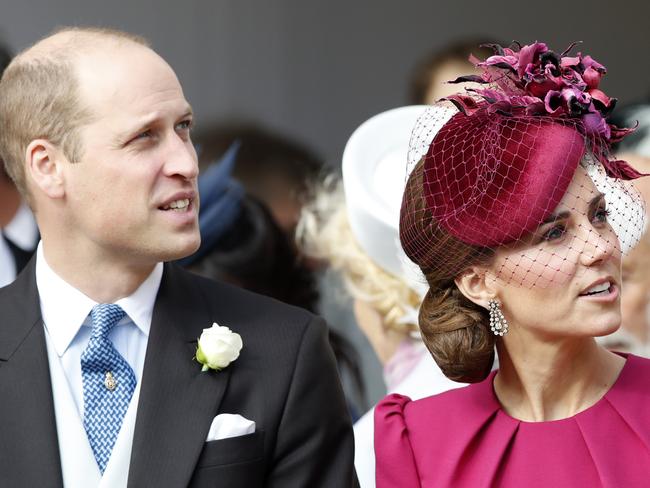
<point>285,380</point>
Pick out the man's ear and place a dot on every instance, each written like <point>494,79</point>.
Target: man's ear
<point>44,167</point>
<point>477,284</point>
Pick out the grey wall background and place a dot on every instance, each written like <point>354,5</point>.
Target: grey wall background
<point>317,69</point>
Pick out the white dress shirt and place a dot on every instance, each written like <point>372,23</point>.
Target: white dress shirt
<point>65,312</point>
<point>22,231</point>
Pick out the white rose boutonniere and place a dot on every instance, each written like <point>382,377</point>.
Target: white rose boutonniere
<point>218,347</point>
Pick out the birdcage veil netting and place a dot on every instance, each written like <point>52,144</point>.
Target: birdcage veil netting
<point>519,173</point>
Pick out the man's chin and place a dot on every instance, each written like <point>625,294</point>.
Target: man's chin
<point>182,250</point>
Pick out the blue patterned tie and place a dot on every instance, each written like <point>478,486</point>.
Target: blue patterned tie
<point>108,384</point>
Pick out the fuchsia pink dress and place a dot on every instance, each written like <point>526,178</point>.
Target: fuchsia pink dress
<point>462,438</point>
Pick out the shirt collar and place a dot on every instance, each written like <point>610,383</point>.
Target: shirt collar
<point>139,305</point>
<point>22,229</point>
<point>64,308</point>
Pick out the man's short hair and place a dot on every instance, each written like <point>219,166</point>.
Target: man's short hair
<point>39,97</point>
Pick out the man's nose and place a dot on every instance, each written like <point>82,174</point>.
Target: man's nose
<point>181,159</point>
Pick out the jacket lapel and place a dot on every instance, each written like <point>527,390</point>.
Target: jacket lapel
<point>177,401</point>
<point>29,453</point>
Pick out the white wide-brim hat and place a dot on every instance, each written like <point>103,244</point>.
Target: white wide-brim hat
<point>374,178</point>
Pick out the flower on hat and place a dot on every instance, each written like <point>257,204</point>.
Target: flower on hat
<point>535,81</point>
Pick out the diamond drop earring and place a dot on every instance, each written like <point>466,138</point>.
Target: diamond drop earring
<point>498,323</point>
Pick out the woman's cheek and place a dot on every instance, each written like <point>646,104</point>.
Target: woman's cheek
<point>538,268</point>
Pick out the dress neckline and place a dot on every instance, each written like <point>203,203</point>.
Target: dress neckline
<point>629,359</point>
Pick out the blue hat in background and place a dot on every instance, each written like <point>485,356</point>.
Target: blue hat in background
<point>221,198</point>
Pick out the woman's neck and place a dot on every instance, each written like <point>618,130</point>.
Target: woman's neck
<point>541,381</point>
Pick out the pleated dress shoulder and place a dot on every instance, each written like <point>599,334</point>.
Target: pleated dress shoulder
<point>463,438</point>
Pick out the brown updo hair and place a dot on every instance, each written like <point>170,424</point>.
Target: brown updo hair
<point>454,329</point>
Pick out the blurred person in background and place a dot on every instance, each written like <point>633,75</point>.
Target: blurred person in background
<point>353,224</point>
<point>274,169</point>
<point>242,244</point>
<point>429,81</point>
<point>634,334</point>
<point>635,302</point>
<point>19,232</point>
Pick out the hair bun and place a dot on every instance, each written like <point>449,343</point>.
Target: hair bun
<point>455,332</point>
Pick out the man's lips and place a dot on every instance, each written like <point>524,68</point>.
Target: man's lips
<point>179,202</point>
<point>178,205</point>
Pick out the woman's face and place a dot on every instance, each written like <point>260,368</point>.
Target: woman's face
<point>565,281</point>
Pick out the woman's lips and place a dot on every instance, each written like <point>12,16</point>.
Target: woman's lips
<point>610,295</point>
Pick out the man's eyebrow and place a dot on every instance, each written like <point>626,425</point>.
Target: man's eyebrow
<point>565,215</point>
<point>188,112</point>
<point>152,118</point>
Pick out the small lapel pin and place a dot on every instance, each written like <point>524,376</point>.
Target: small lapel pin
<point>110,382</point>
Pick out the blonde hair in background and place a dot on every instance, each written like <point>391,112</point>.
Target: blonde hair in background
<point>324,233</point>
<point>39,97</point>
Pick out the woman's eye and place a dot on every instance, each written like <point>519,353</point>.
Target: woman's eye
<point>601,215</point>
<point>554,233</point>
<point>143,135</point>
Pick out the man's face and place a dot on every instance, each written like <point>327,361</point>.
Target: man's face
<point>133,194</point>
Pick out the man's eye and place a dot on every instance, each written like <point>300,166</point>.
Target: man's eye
<point>554,233</point>
<point>143,135</point>
<point>185,125</point>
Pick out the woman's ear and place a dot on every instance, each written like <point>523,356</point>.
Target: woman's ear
<point>477,284</point>
<point>43,166</point>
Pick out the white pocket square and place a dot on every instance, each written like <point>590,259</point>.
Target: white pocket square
<point>227,425</point>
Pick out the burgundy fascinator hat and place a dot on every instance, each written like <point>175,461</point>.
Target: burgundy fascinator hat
<point>494,162</point>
